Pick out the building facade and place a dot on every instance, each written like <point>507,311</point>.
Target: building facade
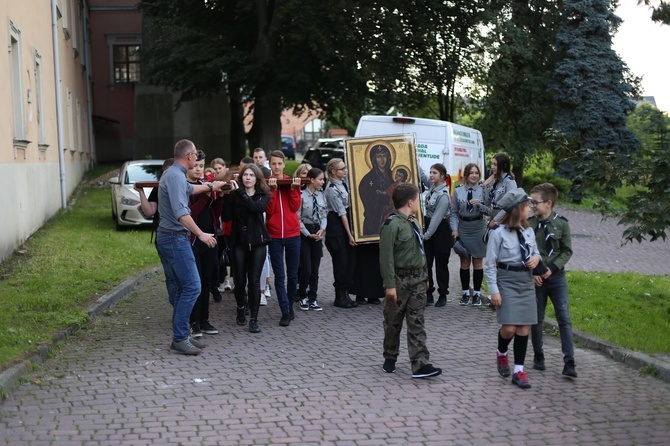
<point>45,133</point>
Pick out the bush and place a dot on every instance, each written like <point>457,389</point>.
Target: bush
<point>537,175</point>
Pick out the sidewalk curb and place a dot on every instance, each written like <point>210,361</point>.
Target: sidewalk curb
<point>12,376</point>
<point>636,360</point>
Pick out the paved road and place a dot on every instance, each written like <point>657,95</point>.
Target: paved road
<point>319,381</point>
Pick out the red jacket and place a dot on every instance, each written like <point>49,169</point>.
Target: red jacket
<point>282,212</point>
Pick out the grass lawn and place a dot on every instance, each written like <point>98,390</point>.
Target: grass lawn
<point>630,310</point>
<point>65,266</point>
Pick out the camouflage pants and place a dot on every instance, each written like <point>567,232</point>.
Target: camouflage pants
<point>411,303</point>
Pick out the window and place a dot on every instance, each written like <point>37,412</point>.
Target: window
<point>39,100</point>
<point>126,63</point>
<point>70,121</point>
<point>18,106</point>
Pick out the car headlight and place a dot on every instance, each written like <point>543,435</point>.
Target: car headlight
<point>129,201</point>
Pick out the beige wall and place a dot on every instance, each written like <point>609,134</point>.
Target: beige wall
<point>29,168</point>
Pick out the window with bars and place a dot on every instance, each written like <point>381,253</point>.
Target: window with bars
<point>126,64</point>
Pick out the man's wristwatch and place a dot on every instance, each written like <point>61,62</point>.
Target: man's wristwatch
<point>210,186</point>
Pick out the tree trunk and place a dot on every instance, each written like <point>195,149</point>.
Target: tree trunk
<point>266,129</point>
<point>237,134</point>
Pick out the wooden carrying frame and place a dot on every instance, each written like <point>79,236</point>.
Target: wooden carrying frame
<point>280,182</point>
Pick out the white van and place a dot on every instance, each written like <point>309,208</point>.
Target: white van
<point>436,141</point>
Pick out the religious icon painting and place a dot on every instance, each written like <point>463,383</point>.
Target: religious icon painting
<point>376,166</point>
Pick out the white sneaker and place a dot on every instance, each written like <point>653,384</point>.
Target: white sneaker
<point>227,285</point>
<point>221,288</point>
<point>264,301</point>
<point>267,293</point>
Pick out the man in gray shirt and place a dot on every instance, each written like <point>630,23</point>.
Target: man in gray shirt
<point>174,247</point>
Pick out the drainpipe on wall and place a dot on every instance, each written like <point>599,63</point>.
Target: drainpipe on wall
<point>87,64</point>
<point>59,104</point>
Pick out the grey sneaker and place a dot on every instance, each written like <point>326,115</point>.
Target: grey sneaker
<point>185,348</point>
<point>197,343</point>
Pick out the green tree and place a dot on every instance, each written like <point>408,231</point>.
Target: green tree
<point>273,54</point>
<point>517,106</point>
<point>647,212</point>
<point>593,91</point>
<point>660,11</point>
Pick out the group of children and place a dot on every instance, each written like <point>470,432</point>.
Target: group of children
<point>524,266</point>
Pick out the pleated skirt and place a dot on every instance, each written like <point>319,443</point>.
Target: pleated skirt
<point>518,298</point>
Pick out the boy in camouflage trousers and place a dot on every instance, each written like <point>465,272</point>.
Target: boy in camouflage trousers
<point>403,268</point>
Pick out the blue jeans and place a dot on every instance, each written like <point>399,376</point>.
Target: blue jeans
<point>556,288</point>
<point>181,279</point>
<point>289,248</point>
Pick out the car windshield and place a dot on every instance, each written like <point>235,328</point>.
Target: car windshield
<point>142,172</point>
<point>327,155</point>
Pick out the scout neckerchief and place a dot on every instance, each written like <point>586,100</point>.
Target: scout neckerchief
<point>544,224</point>
<point>524,247</point>
<point>412,222</point>
<point>470,206</point>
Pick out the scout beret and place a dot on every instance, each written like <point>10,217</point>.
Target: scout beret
<point>513,198</point>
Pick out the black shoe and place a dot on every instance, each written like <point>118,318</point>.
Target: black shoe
<point>538,363</point>
<point>569,369</point>
<point>196,332</point>
<point>441,301</point>
<point>360,300</point>
<point>465,300</point>
<point>253,326</point>
<point>354,303</point>
<point>217,295</point>
<point>476,300</point>
<point>426,371</point>
<point>341,301</point>
<point>241,319</point>
<point>389,366</point>
<point>429,299</point>
<point>208,328</point>
<point>374,301</point>
<point>285,320</point>
<point>521,380</point>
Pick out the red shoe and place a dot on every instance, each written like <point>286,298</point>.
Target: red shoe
<point>521,380</point>
<point>503,365</point>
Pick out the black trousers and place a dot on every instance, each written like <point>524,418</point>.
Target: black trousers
<point>205,260</point>
<point>344,261</point>
<point>438,250</point>
<point>248,264</point>
<point>311,252</point>
<point>220,271</point>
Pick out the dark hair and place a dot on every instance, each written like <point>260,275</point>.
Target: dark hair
<point>182,148</point>
<point>404,172</point>
<point>247,160</point>
<point>403,193</point>
<point>277,154</point>
<point>314,173</point>
<point>468,170</point>
<point>441,169</point>
<point>513,220</point>
<point>167,164</point>
<point>547,191</point>
<point>261,185</point>
<point>200,156</point>
<point>504,166</point>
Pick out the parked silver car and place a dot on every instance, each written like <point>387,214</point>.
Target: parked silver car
<point>126,209</point>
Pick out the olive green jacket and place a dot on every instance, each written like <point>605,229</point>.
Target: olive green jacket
<point>399,247</point>
<point>553,241</point>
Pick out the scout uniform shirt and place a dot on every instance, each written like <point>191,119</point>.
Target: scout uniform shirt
<point>400,247</point>
<point>553,240</point>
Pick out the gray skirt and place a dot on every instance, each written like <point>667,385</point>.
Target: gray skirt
<point>471,234</point>
<point>518,298</point>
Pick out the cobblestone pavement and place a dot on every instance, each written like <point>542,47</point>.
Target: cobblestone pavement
<point>319,381</point>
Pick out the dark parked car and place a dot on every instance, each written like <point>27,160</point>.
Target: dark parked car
<point>288,146</point>
<point>325,150</point>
